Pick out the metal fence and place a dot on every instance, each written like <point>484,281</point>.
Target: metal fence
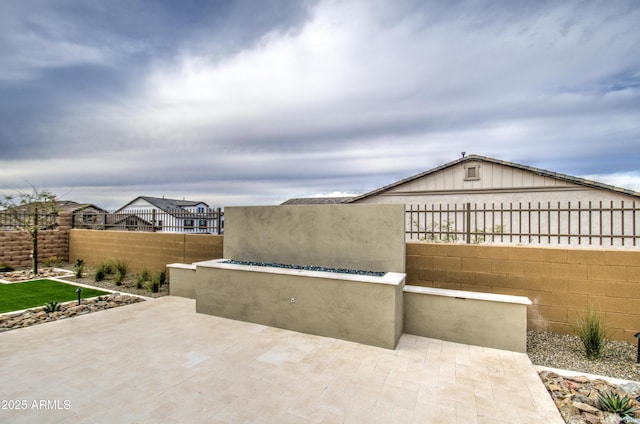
<point>578,223</point>
<point>204,221</point>
<point>25,219</point>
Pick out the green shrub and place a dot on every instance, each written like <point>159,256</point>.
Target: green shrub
<point>157,281</point>
<point>612,402</point>
<point>154,285</point>
<point>100,274</point>
<point>53,261</point>
<point>590,329</point>
<point>143,277</point>
<point>107,266</point>
<point>79,268</point>
<point>52,306</point>
<point>121,270</point>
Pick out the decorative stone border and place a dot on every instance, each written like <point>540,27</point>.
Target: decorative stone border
<point>34,316</point>
<point>12,277</point>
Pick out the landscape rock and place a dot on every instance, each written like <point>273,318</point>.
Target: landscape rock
<point>577,398</point>
<point>592,419</point>
<point>68,310</point>
<point>23,275</point>
<point>612,419</point>
<point>585,408</point>
<point>631,387</point>
<point>576,419</point>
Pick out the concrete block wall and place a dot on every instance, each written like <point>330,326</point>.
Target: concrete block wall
<point>16,246</point>
<point>141,249</point>
<point>561,282</point>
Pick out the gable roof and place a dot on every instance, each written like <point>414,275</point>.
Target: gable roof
<point>478,158</point>
<point>165,204</point>
<point>71,206</point>
<point>317,200</point>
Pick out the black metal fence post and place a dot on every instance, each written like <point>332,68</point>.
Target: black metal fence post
<point>468,221</point>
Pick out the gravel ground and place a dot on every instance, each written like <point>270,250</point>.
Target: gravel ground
<point>88,278</point>
<point>566,352</point>
<point>127,286</point>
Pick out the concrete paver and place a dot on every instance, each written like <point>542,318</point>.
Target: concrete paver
<point>159,361</point>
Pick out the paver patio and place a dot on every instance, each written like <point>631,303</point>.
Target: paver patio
<point>159,361</point>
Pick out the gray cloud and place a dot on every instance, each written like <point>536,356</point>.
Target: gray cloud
<point>235,103</point>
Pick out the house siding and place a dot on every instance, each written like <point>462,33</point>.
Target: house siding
<point>497,184</point>
<point>169,222</point>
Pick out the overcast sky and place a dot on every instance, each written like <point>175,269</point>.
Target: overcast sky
<point>257,101</point>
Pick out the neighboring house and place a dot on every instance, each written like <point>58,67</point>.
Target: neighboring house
<point>71,206</point>
<point>165,215</point>
<point>480,179</point>
<point>317,200</point>
<point>477,198</point>
<point>85,215</point>
<point>82,213</point>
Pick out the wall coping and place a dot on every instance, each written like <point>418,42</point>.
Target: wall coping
<point>393,278</point>
<point>461,294</point>
<point>182,266</point>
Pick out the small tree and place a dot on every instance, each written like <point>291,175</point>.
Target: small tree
<point>29,212</point>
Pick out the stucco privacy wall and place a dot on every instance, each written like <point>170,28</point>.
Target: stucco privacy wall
<point>16,246</point>
<point>368,237</point>
<point>561,283</point>
<point>365,309</point>
<point>140,249</point>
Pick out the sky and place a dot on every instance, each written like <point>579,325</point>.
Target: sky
<point>253,102</point>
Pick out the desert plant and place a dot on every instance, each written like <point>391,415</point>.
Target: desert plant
<point>612,402</point>
<point>52,306</point>
<point>79,268</point>
<point>143,277</point>
<point>154,285</point>
<point>482,236</point>
<point>107,266</point>
<point>100,274</point>
<point>590,329</point>
<point>121,270</point>
<point>53,261</point>
<point>437,232</point>
<point>5,267</point>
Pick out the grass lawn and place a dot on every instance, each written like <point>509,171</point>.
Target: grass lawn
<point>31,294</point>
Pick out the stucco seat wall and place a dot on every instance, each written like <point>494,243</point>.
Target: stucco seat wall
<point>482,319</point>
<point>346,307</point>
<point>183,280</point>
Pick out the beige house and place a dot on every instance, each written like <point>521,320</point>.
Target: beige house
<point>480,179</point>
<point>477,199</point>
